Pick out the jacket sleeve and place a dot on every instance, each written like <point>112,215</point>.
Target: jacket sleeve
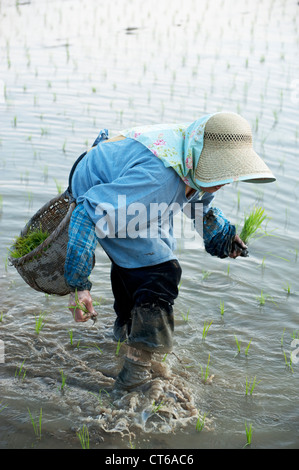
<point>218,233</point>
<point>80,250</point>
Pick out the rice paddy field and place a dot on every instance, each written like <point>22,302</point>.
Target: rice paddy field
<point>70,68</point>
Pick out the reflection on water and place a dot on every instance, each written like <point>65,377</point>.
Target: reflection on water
<point>75,70</point>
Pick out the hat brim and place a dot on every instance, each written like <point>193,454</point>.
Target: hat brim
<point>231,165</point>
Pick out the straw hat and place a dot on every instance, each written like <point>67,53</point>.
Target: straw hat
<point>227,153</point>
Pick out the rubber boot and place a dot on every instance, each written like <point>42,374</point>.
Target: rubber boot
<point>152,329</point>
<point>135,371</point>
<point>120,331</point>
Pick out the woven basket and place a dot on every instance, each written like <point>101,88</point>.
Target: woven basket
<point>43,267</point>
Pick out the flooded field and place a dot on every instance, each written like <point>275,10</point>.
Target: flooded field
<point>70,68</point>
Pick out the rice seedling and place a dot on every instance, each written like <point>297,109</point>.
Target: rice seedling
<point>132,446</point>
<point>200,422</point>
<point>40,322</point>
<point>205,375</point>
<point>97,302</point>
<point>164,357</point>
<point>37,425</point>
<point>20,373</point>
<point>119,345</point>
<point>238,344</point>
<point>287,288</point>
<point>24,245</point>
<point>71,336</point>
<point>59,186</point>
<point>247,348</point>
<point>248,431</point>
<point>295,334</point>
<point>92,346</point>
<point>155,407</point>
<point>262,298</point>
<point>249,388</point>
<point>252,223</point>
<point>1,317</point>
<point>288,363</point>
<point>63,380</point>
<point>222,309</point>
<point>206,329</point>
<point>205,274</point>
<point>83,436</point>
<point>186,317</point>
<point>99,396</point>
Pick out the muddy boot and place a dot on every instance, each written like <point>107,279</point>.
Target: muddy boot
<point>152,328</point>
<point>135,371</point>
<point>120,331</point>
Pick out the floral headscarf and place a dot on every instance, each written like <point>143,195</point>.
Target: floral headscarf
<point>178,145</point>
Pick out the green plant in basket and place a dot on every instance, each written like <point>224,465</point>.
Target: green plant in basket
<point>25,244</point>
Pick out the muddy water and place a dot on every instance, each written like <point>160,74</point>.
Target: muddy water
<point>69,68</point>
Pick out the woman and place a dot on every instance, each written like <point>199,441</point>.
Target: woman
<point>160,167</point>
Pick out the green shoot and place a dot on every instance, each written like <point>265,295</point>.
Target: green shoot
<point>186,318</point>
<point>238,344</point>
<point>83,436</point>
<point>91,346</point>
<point>200,422</point>
<point>119,345</point>
<point>40,322</point>
<point>24,245</point>
<point>287,288</point>
<point>206,329</point>
<point>222,309</point>
<point>249,390</point>
<point>295,334</point>
<point>205,274</point>
<point>248,431</point>
<point>63,380</point>
<point>99,396</point>
<point>262,298</point>
<point>206,376</point>
<point>59,187</point>
<point>252,224</point>
<point>71,335</point>
<point>37,426</point>
<point>288,363</point>
<point>247,348</point>
<point>18,373</point>
<point>132,446</point>
<point>156,408</point>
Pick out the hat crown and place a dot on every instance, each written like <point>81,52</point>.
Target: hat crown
<point>227,127</point>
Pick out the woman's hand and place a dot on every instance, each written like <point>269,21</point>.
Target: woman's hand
<point>80,304</point>
<point>238,248</point>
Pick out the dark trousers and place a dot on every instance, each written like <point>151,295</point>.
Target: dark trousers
<point>144,287</point>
